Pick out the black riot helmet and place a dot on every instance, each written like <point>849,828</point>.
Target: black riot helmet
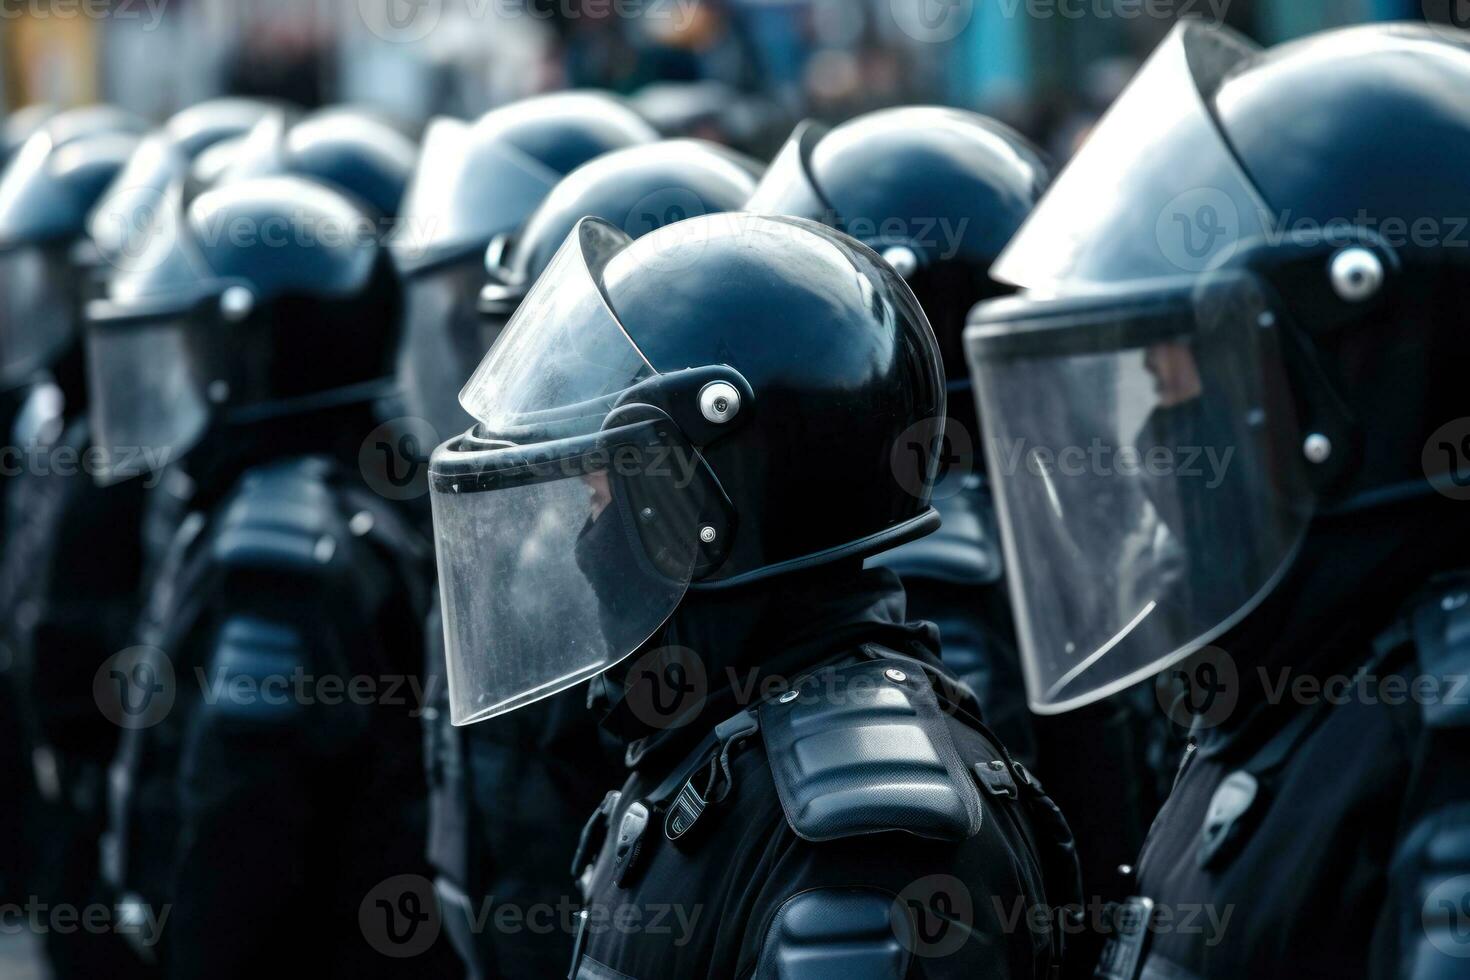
<point>46,193</point>
<point>365,157</point>
<point>126,216</point>
<point>937,192</point>
<point>1244,301</point>
<point>479,180</point>
<point>205,124</point>
<point>273,297</point>
<point>638,189</point>
<point>478,184</point>
<point>725,400</point>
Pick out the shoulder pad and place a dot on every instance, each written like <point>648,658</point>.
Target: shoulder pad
<point>864,749</point>
<point>252,669</point>
<point>1440,628</point>
<point>281,518</point>
<point>836,933</point>
<point>964,551</point>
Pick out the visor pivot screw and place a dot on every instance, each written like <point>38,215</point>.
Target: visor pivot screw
<point>1317,448</point>
<point>902,259</point>
<point>787,697</point>
<point>895,675</point>
<point>708,534</point>
<point>719,402</point>
<point>236,303</point>
<point>1357,274</point>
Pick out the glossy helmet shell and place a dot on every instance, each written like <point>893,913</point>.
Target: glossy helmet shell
<point>638,189</point>
<point>950,186</point>
<point>322,299</point>
<point>1370,127</point>
<point>844,370</point>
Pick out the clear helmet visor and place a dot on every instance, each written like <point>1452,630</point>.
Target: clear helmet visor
<point>1155,493</point>
<point>36,312</point>
<point>1154,192</point>
<point>786,187</point>
<point>148,403</point>
<point>563,356</point>
<point>567,526</point>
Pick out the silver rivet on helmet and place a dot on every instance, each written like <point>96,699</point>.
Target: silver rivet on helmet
<point>719,402</point>
<point>787,697</point>
<point>895,675</point>
<point>236,303</point>
<point>903,260</point>
<point>1317,448</point>
<point>707,535</point>
<point>1357,274</point>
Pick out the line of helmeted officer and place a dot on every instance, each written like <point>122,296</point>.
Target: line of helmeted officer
<point>507,793</point>
<point>211,325</point>
<point>462,290</point>
<point>1247,293</point>
<point>209,348</point>
<point>697,427</point>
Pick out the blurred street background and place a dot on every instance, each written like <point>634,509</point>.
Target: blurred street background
<point>1046,66</point>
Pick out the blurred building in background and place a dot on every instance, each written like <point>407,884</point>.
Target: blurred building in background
<point>1049,66</point>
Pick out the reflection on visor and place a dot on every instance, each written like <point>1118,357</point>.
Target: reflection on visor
<point>563,353</point>
<point>36,317</point>
<point>786,187</point>
<point>558,561</point>
<point>1154,496</point>
<point>1153,193</point>
<point>146,404</point>
<point>568,527</point>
